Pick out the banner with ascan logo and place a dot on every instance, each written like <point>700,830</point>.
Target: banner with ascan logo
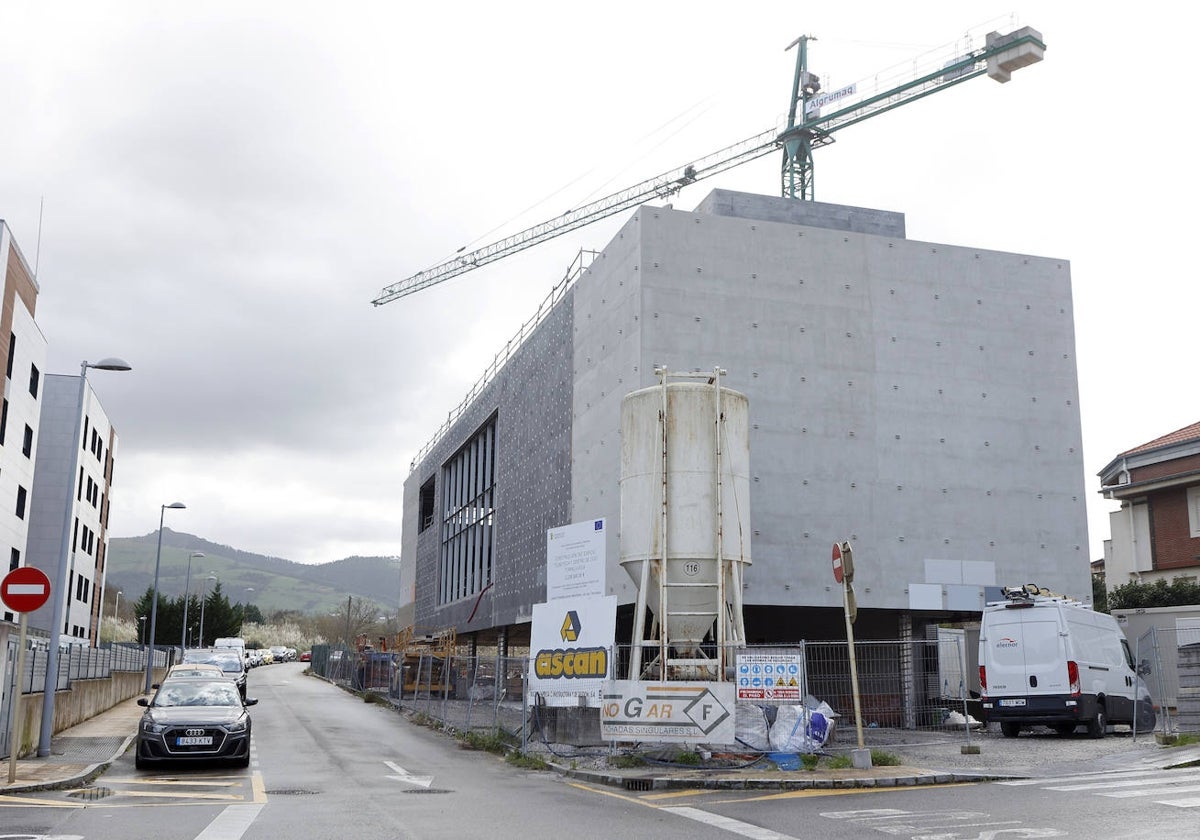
<point>571,650</point>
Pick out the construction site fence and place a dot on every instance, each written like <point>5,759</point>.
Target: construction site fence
<point>1168,665</point>
<point>79,662</point>
<point>903,685</point>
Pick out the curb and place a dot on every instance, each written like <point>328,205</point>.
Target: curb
<point>83,777</point>
<point>652,781</point>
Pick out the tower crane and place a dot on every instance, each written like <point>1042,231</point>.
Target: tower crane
<point>813,117</point>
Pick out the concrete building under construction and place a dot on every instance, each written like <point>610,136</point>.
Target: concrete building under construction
<point>916,399</point>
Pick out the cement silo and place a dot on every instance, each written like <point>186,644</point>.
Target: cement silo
<point>685,508</point>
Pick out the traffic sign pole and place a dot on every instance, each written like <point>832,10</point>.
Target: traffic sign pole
<point>23,590</point>
<point>14,745</point>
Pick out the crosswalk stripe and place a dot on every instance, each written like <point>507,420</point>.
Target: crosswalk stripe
<point>1156,791</point>
<point>1191,802</point>
<point>1085,777</point>
<point>1191,777</point>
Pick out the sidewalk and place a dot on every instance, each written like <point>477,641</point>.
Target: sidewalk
<point>79,754</point>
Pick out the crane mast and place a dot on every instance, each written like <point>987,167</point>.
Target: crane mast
<point>807,129</point>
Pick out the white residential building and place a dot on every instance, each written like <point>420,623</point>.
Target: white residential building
<point>25,355</point>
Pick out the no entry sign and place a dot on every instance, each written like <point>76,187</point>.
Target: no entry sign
<point>25,589</point>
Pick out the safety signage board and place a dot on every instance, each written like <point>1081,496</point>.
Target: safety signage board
<point>25,589</point>
<point>770,677</point>
<point>635,710</point>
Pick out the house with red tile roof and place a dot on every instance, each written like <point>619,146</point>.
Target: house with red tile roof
<point>1156,532</point>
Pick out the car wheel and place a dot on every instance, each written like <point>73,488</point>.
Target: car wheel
<point>1010,730</point>
<point>1146,718</point>
<point>1064,729</point>
<point>140,763</point>
<point>1098,725</point>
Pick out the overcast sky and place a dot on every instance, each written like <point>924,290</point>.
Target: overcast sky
<point>227,186</point>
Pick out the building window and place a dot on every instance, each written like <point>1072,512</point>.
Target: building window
<point>27,445</point>
<point>1193,502</point>
<point>15,560</point>
<point>34,379</point>
<point>20,503</point>
<point>425,506</point>
<point>3,420</point>
<point>468,513</point>
<point>12,351</point>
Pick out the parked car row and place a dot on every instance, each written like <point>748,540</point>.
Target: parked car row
<point>198,711</point>
<point>269,656</point>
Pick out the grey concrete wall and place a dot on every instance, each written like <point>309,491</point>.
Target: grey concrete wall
<point>917,399</point>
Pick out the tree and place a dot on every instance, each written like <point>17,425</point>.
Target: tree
<point>1134,595</point>
<point>1099,594</point>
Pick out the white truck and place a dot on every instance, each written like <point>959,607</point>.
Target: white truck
<point>1052,661</point>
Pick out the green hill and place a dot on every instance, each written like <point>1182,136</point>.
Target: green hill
<point>270,583</point>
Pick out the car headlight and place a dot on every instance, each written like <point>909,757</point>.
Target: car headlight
<point>151,726</point>
<point>237,726</point>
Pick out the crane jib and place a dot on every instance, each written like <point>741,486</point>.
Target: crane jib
<point>1001,55</point>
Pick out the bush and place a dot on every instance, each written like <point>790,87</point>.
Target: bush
<point>529,762</point>
<point>494,741</point>
<point>840,762</point>
<point>627,761</point>
<point>810,760</point>
<point>882,758</point>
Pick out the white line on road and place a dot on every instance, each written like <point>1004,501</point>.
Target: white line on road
<point>1085,777</point>
<point>1156,791</point>
<point>403,775</point>
<point>231,823</point>
<point>1191,802</point>
<point>726,824</point>
<point>1191,777</point>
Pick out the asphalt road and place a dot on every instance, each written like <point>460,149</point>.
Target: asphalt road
<point>327,765</point>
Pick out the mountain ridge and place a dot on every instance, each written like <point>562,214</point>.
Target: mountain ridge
<point>271,583</point>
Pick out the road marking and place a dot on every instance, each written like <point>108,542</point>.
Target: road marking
<point>7,801</point>
<point>259,788</point>
<point>181,782</point>
<point>1120,783</point>
<point>1158,791</point>
<point>1085,777</point>
<point>231,823</point>
<point>679,793</point>
<point>403,775</point>
<point>174,794</point>
<point>1190,802</point>
<point>733,826</point>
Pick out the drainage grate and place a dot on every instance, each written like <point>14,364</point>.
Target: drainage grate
<point>639,784</point>
<point>91,793</point>
<point>427,790</point>
<point>292,792</point>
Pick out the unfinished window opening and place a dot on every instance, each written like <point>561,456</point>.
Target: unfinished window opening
<point>425,505</point>
<point>468,513</point>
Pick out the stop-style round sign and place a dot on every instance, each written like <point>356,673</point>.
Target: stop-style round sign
<point>25,589</point>
<point>837,562</point>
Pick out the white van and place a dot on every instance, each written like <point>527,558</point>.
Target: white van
<point>237,644</point>
<point>1052,661</point>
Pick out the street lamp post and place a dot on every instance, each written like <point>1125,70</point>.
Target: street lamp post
<point>59,591</point>
<point>202,601</point>
<point>141,630</point>
<point>154,605</point>
<point>187,586</point>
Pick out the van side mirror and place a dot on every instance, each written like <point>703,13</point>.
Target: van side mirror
<point>1143,668</point>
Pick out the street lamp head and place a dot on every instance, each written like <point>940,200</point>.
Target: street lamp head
<point>195,554</point>
<point>175,506</point>
<point>111,363</point>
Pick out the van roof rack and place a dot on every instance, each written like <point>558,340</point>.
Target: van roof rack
<point>1030,592</point>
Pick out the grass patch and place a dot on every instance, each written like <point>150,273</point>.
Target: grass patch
<point>524,760</point>
<point>1186,739</point>
<point>373,697</point>
<point>810,760</point>
<point>883,758</point>
<point>627,761</point>
<point>840,762</point>
<point>689,759</point>
<point>494,741</point>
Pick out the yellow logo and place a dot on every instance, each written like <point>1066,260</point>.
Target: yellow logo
<point>570,627</point>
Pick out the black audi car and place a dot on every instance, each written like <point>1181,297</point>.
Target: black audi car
<point>192,719</point>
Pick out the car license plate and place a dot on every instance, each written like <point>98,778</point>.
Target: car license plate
<point>185,741</point>
<point>1019,701</point>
